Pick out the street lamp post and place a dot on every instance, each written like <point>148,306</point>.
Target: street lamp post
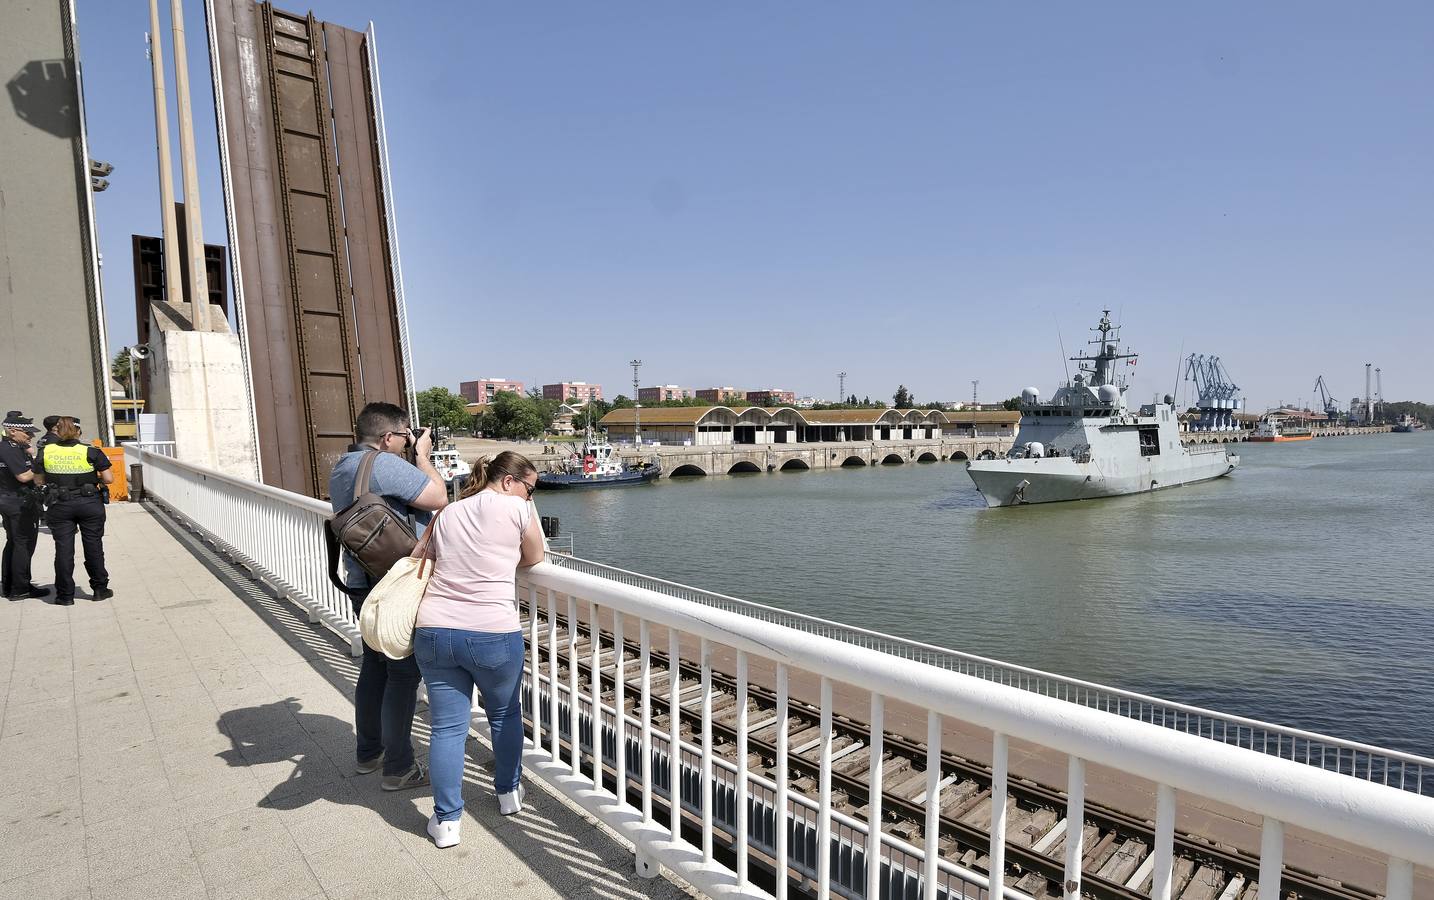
<point>636,405</point>
<point>137,352</point>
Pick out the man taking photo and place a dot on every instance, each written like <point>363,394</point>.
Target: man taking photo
<point>387,691</point>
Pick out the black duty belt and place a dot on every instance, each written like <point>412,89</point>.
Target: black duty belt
<point>77,492</point>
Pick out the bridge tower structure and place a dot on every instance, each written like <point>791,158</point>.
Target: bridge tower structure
<point>51,302</point>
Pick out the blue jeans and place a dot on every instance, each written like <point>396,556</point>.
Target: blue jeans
<point>384,702</point>
<point>453,661</point>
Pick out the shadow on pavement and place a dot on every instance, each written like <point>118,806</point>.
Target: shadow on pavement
<point>281,732</point>
<point>273,736</point>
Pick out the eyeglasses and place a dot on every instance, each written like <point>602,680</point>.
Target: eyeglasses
<point>529,486</point>
<point>406,434</point>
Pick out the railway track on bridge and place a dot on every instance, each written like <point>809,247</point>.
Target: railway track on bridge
<point>1118,860</point>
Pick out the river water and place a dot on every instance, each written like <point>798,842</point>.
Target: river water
<point>1296,591</point>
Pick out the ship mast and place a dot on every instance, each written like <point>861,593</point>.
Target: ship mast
<point>1100,366</point>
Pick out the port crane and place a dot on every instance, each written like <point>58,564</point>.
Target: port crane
<point>1331,406</point>
<point>1217,392</point>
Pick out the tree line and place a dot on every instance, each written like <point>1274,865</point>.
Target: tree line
<point>529,416</point>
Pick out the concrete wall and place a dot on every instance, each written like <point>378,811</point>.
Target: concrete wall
<point>197,378</point>
<point>53,357</point>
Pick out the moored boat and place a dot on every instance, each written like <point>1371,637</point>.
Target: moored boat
<point>1085,442</point>
<point>450,465</point>
<point>1408,424</point>
<point>1273,430</point>
<point>596,465</point>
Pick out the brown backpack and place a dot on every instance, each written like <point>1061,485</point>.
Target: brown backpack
<point>368,528</point>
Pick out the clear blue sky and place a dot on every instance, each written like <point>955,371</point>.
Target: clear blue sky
<point>764,194</point>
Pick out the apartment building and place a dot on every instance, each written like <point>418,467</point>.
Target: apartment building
<point>485,389</point>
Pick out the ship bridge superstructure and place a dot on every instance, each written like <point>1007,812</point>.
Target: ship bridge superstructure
<point>1071,420</point>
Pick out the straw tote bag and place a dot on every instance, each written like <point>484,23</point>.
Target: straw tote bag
<point>391,608</point>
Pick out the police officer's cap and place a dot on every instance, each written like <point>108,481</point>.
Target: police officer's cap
<point>16,420</point>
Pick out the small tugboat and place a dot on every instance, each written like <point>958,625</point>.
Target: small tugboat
<point>1408,424</point>
<point>1271,430</point>
<point>1086,442</point>
<point>597,465</point>
<point>449,465</point>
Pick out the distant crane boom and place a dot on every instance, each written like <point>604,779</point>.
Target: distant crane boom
<point>1331,406</point>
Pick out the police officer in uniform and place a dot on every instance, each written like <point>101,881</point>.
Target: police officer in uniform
<point>19,507</point>
<point>49,436</point>
<point>74,476</point>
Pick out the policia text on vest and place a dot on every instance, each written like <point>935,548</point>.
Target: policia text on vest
<point>74,476</point>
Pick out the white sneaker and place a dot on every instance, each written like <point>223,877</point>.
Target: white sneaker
<point>511,803</point>
<point>444,834</point>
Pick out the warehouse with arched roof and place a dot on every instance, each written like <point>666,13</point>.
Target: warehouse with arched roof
<point>711,425</point>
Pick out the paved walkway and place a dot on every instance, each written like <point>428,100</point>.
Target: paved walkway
<point>190,738</point>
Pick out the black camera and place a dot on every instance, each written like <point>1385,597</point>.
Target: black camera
<point>410,453</point>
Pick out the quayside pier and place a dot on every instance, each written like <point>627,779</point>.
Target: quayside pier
<point>794,734</point>
<point>1240,435</point>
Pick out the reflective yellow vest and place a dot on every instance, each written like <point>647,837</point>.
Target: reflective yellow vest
<point>69,463</point>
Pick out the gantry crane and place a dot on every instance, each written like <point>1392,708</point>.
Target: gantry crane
<point>1218,394</point>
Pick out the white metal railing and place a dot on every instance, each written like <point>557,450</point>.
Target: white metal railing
<point>1406,771</point>
<point>716,801</point>
<point>1278,791</point>
<point>277,534</point>
<point>160,448</point>
<point>560,544</point>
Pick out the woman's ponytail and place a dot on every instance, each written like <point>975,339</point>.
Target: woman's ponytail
<point>478,478</point>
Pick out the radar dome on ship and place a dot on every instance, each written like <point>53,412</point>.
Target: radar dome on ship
<point>1037,449</point>
<point>1030,395</point>
<point>1109,393</point>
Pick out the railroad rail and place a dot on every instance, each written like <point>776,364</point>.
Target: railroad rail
<point>1117,866</point>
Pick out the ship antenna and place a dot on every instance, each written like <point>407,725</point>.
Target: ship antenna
<point>1178,360</point>
<point>1064,362</point>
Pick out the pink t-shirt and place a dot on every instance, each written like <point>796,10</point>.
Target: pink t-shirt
<point>476,548</point>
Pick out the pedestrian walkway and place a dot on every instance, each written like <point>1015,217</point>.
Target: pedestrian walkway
<point>193,737</point>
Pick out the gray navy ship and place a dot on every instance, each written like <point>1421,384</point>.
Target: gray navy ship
<point>1085,442</point>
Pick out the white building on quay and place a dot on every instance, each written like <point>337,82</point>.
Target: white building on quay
<point>715,425</point>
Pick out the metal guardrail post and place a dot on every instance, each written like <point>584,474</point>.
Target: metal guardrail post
<point>1160,887</point>
<point>1075,826</point>
<point>1000,755</point>
<point>1272,856</point>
